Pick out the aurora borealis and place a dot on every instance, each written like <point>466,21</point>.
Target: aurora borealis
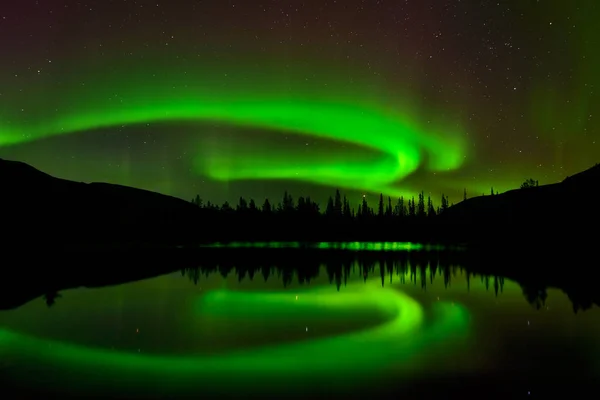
<point>231,99</point>
<point>399,142</point>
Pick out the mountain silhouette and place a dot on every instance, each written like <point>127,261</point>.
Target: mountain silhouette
<point>41,209</point>
<point>561,211</point>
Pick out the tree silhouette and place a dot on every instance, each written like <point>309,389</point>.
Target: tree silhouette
<point>242,205</point>
<point>266,207</point>
<point>380,206</point>
<point>337,204</point>
<point>430,209</point>
<point>411,207</point>
<point>330,210</point>
<point>444,205</point>
<point>288,203</point>
<point>226,207</point>
<point>197,201</point>
<point>421,206</point>
<point>400,210</point>
<point>364,208</point>
<point>252,206</point>
<point>529,183</point>
<point>346,208</point>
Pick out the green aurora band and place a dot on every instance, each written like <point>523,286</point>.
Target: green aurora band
<point>364,118</point>
<point>398,343</point>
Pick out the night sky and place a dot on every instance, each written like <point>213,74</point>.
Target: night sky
<point>228,98</point>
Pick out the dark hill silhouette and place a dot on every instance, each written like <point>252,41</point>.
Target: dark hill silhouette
<point>585,177</point>
<point>40,209</point>
<point>561,211</point>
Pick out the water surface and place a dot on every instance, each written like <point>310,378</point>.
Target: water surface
<point>384,328</point>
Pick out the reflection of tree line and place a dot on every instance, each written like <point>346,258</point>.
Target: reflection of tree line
<point>388,271</point>
<point>306,263</point>
<point>418,268</point>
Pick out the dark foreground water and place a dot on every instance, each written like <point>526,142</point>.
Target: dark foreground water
<point>408,330</point>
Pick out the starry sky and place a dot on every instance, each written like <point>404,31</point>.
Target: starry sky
<point>227,98</point>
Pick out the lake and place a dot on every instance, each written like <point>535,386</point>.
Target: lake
<point>353,324</point>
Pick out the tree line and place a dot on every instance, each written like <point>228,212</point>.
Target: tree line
<point>303,219</point>
<point>338,206</point>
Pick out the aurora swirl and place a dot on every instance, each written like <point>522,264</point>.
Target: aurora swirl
<point>252,99</point>
<point>402,142</point>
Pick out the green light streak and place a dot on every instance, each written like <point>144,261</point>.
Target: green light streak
<point>394,343</point>
<point>346,246</point>
<point>404,145</point>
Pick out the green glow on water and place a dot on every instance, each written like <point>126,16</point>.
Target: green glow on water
<point>347,246</point>
<point>409,330</point>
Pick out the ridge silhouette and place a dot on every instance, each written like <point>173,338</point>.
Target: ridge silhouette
<point>44,211</point>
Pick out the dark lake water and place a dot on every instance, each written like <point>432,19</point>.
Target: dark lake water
<point>417,329</point>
